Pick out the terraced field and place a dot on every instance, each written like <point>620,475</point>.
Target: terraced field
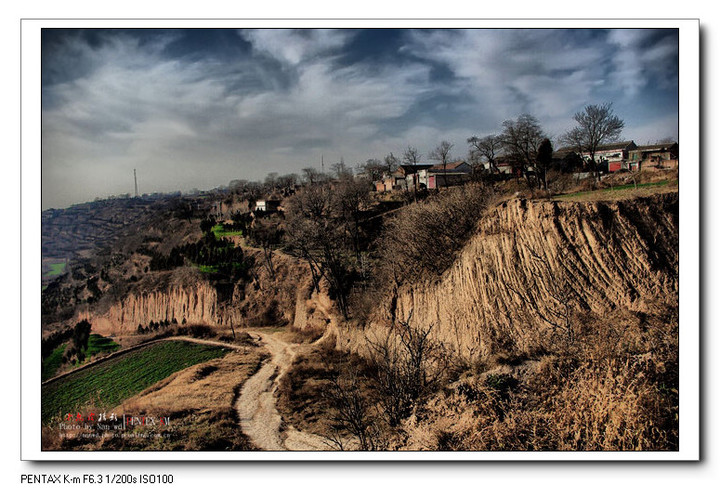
<point>220,232</point>
<point>107,384</point>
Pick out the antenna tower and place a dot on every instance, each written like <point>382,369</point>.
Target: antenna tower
<point>135,174</point>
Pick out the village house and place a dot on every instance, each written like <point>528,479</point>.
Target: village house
<point>412,174</point>
<point>616,155</point>
<point>503,166</point>
<point>437,176</point>
<point>267,205</point>
<point>568,161</point>
<point>394,181</point>
<point>658,156</point>
<point>609,157</point>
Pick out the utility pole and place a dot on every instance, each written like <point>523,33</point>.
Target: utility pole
<point>135,174</point>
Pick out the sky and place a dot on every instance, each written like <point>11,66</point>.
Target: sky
<point>197,108</point>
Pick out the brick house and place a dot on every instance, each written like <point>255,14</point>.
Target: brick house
<point>658,156</point>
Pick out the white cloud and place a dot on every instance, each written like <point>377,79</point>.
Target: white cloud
<point>509,72</point>
<point>292,46</point>
<point>635,64</point>
<point>136,108</point>
<point>202,122</point>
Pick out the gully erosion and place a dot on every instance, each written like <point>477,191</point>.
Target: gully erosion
<point>526,260</point>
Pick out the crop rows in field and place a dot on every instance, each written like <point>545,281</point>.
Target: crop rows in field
<point>107,384</point>
<point>96,344</point>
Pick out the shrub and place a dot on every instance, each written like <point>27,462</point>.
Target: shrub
<point>421,242</point>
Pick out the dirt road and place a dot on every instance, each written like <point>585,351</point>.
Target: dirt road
<point>256,408</point>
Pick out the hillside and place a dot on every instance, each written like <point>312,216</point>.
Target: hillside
<point>531,263</point>
<point>546,323</point>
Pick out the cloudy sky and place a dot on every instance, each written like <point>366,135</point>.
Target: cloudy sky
<point>198,108</point>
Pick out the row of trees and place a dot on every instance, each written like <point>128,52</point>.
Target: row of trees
<point>524,143</point>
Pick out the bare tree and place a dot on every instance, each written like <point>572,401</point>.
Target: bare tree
<point>442,153</point>
<point>306,218</point>
<point>287,181</point>
<point>373,168</point>
<point>237,186</point>
<point>310,175</point>
<point>266,233</point>
<point>340,170</point>
<point>351,411</point>
<point>391,162</point>
<point>596,125</point>
<point>353,196</point>
<point>487,147</point>
<point>271,180</point>
<point>411,156</point>
<point>522,138</point>
<point>317,231</point>
<point>408,364</point>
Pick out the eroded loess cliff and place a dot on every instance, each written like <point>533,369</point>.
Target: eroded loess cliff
<point>534,267</point>
<point>179,295</point>
<point>277,292</point>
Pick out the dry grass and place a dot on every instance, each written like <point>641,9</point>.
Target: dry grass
<point>612,388</point>
<point>302,399</point>
<point>297,336</point>
<point>206,386</point>
<point>613,406</point>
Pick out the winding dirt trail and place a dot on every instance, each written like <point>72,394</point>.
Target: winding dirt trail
<point>256,408</point>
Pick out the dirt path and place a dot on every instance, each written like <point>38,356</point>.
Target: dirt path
<point>256,408</point>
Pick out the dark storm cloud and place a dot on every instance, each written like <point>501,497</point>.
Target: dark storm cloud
<point>197,108</point>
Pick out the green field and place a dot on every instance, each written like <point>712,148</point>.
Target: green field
<point>220,232</point>
<point>100,344</point>
<point>107,384</point>
<point>612,189</point>
<point>217,268</point>
<point>207,268</point>
<point>51,364</point>
<point>96,344</point>
<point>55,269</point>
